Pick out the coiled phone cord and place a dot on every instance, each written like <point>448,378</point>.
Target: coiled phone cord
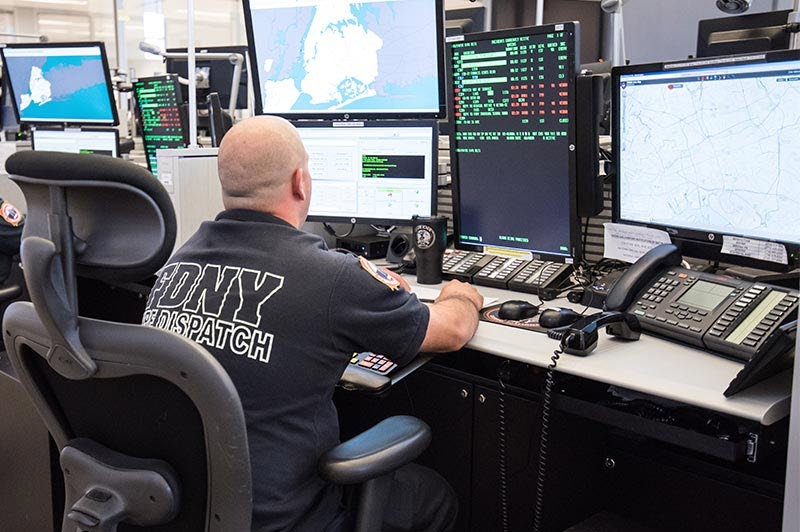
<point>501,447</point>
<point>544,432</point>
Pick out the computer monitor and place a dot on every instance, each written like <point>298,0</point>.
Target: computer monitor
<point>164,120</point>
<point>97,141</point>
<point>707,150</point>
<point>512,142</point>
<point>371,172</point>
<point>65,83</point>
<point>757,32</point>
<point>323,59</point>
<point>464,20</point>
<point>214,74</point>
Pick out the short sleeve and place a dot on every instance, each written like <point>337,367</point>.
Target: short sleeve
<point>369,314</point>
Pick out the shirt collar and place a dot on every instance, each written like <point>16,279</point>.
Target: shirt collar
<point>245,215</point>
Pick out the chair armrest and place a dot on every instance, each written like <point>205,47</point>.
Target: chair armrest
<point>393,442</point>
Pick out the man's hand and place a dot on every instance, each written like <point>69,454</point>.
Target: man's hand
<point>457,289</point>
<point>453,318</point>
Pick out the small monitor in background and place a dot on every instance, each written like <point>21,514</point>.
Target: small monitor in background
<point>213,75</point>
<point>218,121</point>
<point>164,121</point>
<point>60,83</point>
<point>97,141</point>
<point>758,32</point>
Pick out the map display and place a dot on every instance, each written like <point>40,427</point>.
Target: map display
<point>66,84</point>
<point>336,56</point>
<point>713,149</point>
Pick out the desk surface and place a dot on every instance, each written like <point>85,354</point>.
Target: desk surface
<point>651,365</point>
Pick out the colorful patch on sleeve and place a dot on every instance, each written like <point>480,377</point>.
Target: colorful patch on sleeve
<point>10,214</point>
<point>379,274</point>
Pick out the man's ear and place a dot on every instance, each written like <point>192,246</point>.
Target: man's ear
<point>299,186</point>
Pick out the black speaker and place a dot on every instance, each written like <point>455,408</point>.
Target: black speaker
<point>588,111</point>
<point>399,246</point>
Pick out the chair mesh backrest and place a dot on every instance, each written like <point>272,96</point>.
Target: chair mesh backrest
<point>155,395</point>
<point>122,217</point>
<point>141,416</point>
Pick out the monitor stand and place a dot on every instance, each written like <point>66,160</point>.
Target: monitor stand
<point>762,276</point>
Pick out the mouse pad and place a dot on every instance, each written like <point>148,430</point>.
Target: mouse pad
<point>532,324</point>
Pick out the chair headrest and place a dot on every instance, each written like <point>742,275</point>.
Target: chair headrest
<point>122,218</point>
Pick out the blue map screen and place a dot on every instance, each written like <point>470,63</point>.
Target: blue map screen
<point>52,84</point>
<point>321,57</point>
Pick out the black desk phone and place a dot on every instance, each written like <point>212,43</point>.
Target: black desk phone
<point>731,317</point>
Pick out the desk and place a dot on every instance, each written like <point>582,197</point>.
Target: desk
<point>651,365</point>
<point>661,475</point>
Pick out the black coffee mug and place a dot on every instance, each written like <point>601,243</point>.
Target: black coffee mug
<point>429,238</point>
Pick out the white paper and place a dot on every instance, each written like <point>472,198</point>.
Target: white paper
<point>629,242</point>
<point>755,249</point>
<point>427,294</point>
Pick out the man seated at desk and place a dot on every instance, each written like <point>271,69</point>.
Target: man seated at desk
<point>284,315</point>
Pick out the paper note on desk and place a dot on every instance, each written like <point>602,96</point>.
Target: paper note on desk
<point>429,295</point>
<point>630,242</point>
<point>756,249</point>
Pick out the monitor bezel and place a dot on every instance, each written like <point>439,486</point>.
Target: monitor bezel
<point>695,243</point>
<point>355,114</point>
<point>106,70</point>
<point>79,131</point>
<point>575,253</point>
<point>384,221</point>
<point>181,109</point>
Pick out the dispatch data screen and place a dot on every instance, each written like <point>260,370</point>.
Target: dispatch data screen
<point>513,138</point>
<point>163,123</point>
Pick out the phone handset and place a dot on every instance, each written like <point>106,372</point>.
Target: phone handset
<point>639,274</point>
<point>580,338</point>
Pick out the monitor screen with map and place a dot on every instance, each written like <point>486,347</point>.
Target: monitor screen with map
<point>65,83</point>
<point>378,172</point>
<point>317,58</point>
<point>707,150</point>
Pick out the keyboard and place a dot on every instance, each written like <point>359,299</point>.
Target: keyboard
<point>372,362</point>
<point>540,277</point>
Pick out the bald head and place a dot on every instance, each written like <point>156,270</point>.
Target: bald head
<point>257,160</point>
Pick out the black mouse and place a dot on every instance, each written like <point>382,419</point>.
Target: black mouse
<point>517,310</point>
<point>558,317</point>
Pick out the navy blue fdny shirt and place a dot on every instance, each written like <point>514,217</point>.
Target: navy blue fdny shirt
<point>283,315</point>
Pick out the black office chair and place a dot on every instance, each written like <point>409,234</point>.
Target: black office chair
<point>149,426</point>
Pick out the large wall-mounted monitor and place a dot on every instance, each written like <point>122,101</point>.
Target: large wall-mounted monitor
<point>371,59</point>
<point>63,83</point>
<point>512,142</point>
<point>708,149</point>
<point>757,32</point>
<point>96,141</point>
<point>213,75</point>
<point>371,172</point>
<point>163,118</point>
